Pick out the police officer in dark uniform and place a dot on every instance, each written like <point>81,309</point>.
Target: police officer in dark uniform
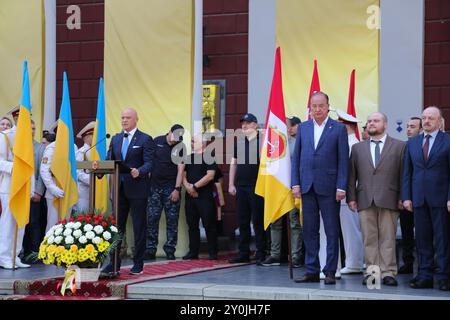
<point>165,191</point>
<point>199,181</point>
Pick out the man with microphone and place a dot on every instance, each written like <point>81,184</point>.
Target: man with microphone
<point>135,149</point>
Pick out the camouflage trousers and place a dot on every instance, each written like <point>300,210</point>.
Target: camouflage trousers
<point>159,200</point>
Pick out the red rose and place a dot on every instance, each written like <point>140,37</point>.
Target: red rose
<point>104,224</point>
<point>88,220</point>
<point>80,218</point>
<point>96,222</point>
<point>100,217</point>
<point>72,220</point>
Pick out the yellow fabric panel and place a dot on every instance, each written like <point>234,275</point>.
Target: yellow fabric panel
<point>148,63</point>
<point>22,38</point>
<point>335,33</point>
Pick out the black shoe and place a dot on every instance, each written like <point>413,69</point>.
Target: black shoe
<point>418,283</point>
<point>297,263</point>
<point>366,278</point>
<point>170,256</point>
<point>149,256</point>
<point>309,278</point>
<point>137,269</point>
<point>330,278</point>
<point>390,281</point>
<point>444,285</point>
<point>270,261</point>
<point>108,272</point>
<point>406,269</point>
<point>190,256</point>
<point>212,256</point>
<point>239,259</point>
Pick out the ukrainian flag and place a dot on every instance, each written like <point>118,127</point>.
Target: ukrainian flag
<point>23,165</point>
<point>98,153</point>
<point>64,165</point>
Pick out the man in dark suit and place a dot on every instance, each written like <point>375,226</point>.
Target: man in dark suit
<point>135,149</point>
<point>374,191</point>
<point>319,176</point>
<point>426,189</point>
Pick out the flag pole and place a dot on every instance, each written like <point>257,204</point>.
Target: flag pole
<point>288,222</point>
<point>14,248</point>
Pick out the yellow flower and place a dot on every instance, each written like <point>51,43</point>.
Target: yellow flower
<point>90,248</point>
<point>73,248</point>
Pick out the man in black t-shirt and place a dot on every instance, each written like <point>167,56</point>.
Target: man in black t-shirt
<point>198,180</point>
<point>243,175</point>
<point>165,191</point>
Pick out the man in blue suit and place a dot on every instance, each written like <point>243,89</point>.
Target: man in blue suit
<point>426,189</point>
<point>319,177</point>
<point>135,149</point>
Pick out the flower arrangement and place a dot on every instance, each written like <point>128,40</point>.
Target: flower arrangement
<point>85,241</point>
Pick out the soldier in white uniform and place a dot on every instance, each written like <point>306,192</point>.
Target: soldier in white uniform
<point>53,191</point>
<point>7,221</point>
<point>83,154</point>
<point>350,225</point>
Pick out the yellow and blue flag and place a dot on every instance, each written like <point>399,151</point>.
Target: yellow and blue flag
<point>64,165</point>
<point>23,165</point>
<point>98,153</point>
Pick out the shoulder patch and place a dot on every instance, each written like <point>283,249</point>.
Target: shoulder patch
<point>44,160</point>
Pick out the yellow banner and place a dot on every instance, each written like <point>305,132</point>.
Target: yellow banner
<point>22,38</point>
<point>149,63</point>
<point>341,35</point>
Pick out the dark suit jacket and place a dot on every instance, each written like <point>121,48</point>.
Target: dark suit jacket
<point>429,180</point>
<point>327,166</point>
<point>139,156</point>
<point>380,185</point>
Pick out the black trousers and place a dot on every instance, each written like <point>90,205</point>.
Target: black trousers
<point>250,207</point>
<point>407,243</point>
<point>137,208</point>
<point>196,209</point>
<point>34,234</point>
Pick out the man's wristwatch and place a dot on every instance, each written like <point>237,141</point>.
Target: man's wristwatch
<point>178,189</point>
<point>195,188</point>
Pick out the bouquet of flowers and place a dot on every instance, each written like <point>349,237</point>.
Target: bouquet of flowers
<point>85,241</point>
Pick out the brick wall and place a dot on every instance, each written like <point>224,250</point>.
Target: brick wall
<point>225,26</point>
<point>80,53</point>
<point>437,56</point>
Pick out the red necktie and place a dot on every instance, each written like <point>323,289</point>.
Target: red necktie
<point>426,147</point>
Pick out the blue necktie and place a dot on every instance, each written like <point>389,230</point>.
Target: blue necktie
<point>377,152</point>
<point>125,147</point>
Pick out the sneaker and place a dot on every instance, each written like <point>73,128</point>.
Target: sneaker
<point>20,264</point>
<point>190,256</point>
<point>271,261</point>
<point>297,263</point>
<point>348,270</point>
<point>170,256</point>
<point>136,269</point>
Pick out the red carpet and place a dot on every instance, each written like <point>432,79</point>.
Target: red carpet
<point>49,289</point>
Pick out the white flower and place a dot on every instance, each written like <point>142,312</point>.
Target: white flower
<point>69,240</point>
<point>88,228</point>
<point>77,233</point>
<point>114,229</point>
<point>77,225</point>
<point>96,240</point>
<point>69,225</point>
<point>58,239</point>
<point>82,240</point>
<point>49,233</point>
<point>67,232</point>
<point>50,240</point>
<point>90,235</point>
<point>106,235</point>
<point>58,231</point>
<point>98,229</point>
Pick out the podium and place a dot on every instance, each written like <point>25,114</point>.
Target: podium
<point>98,169</point>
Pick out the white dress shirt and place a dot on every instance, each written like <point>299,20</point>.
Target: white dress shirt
<point>130,136</point>
<point>318,130</point>
<point>373,145</point>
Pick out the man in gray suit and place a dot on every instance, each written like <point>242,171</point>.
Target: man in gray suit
<point>33,231</point>
<point>374,190</point>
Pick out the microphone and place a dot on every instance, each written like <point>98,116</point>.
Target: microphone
<point>106,137</point>
<point>126,134</point>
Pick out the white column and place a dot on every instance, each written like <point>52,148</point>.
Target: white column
<point>49,106</point>
<point>401,62</point>
<point>198,70</point>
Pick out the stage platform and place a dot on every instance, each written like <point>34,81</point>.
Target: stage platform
<point>241,282</point>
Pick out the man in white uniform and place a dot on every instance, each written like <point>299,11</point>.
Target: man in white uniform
<point>7,221</point>
<point>83,154</point>
<point>53,191</point>
<point>350,225</point>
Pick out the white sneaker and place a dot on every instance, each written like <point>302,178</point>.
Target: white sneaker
<point>19,264</point>
<point>322,276</point>
<point>7,266</point>
<point>348,270</point>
